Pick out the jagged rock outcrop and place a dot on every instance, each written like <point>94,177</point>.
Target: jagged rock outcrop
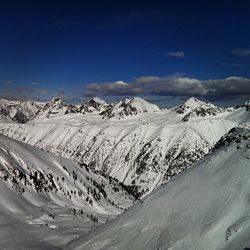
<point>247,105</point>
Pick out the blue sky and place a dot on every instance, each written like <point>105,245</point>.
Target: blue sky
<point>55,47</point>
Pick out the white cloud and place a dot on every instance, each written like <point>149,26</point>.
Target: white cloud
<point>173,86</point>
<point>121,83</point>
<point>178,54</point>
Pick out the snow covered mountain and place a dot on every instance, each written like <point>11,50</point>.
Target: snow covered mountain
<point>207,207</point>
<point>47,201</point>
<point>122,151</point>
<point>57,107</point>
<point>24,111</point>
<point>129,107</point>
<point>191,104</point>
<point>193,108</point>
<point>142,151</point>
<point>18,111</point>
<point>93,105</point>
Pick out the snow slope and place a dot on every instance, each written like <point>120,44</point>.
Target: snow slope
<point>142,150</point>
<point>206,207</point>
<point>47,201</point>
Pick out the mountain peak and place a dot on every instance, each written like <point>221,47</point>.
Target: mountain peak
<point>130,107</point>
<point>143,105</point>
<point>97,100</point>
<point>191,104</point>
<point>56,99</point>
<point>194,102</point>
<point>92,105</point>
<point>194,108</point>
<point>58,107</point>
<point>137,98</point>
<point>193,99</point>
<point>55,102</point>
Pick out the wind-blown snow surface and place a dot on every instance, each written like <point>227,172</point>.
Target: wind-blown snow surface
<point>207,207</point>
<point>46,201</point>
<point>142,149</point>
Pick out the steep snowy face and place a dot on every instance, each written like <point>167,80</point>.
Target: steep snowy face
<point>25,168</point>
<point>193,108</point>
<point>19,111</point>
<point>93,105</point>
<point>51,195</point>
<point>207,207</point>
<point>57,107</point>
<point>129,107</point>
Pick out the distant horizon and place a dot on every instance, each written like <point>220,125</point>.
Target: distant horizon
<point>162,102</point>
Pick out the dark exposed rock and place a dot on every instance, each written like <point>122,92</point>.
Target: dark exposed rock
<point>20,117</point>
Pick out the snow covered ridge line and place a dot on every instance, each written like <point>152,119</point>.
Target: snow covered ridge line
<point>25,111</point>
<point>51,193</point>
<point>207,207</point>
<point>128,107</point>
<point>236,135</point>
<point>142,151</point>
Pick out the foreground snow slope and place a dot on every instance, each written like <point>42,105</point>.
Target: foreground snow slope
<point>47,201</point>
<point>141,149</point>
<point>206,207</point>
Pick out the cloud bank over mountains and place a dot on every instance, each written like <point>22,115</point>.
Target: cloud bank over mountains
<point>175,86</point>
<point>172,86</point>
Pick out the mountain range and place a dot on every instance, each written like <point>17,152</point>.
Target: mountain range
<point>67,168</point>
<point>132,140</point>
